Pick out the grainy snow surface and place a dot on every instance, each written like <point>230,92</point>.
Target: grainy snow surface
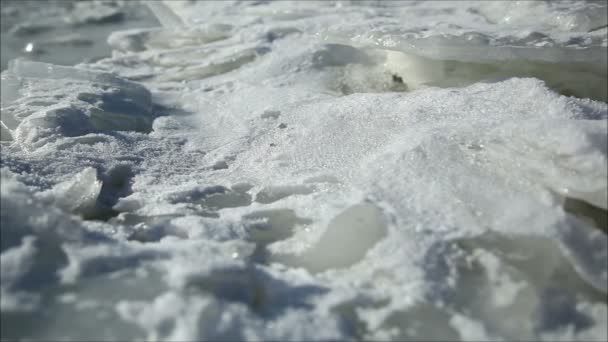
<point>335,170</point>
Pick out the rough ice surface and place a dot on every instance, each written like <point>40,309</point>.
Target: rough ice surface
<point>332,170</point>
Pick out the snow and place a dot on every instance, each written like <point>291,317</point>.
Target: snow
<point>312,171</point>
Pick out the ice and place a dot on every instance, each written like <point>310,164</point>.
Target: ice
<point>287,170</point>
<point>166,17</point>
<point>95,13</point>
<point>66,32</point>
<point>90,101</point>
<point>78,195</point>
<point>359,227</point>
<point>500,40</point>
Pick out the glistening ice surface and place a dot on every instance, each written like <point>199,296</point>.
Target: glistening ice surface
<point>257,170</point>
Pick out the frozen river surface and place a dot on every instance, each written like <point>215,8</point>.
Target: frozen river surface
<point>335,170</point>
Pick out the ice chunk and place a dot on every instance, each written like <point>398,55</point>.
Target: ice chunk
<point>346,241</point>
<point>168,38</point>
<point>572,16</point>
<point>381,69</point>
<point>482,42</point>
<point>466,36</point>
<point>77,195</point>
<point>29,69</point>
<point>47,125</point>
<point>35,107</point>
<point>164,14</point>
<point>218,66</point>
<point>275,193</point>
<point>267,226</point>
<point>95,13</point>
<point>30,28</point>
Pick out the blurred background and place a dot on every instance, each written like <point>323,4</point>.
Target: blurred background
<point>65,32</point>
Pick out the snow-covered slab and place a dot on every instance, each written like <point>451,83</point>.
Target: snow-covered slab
<point>43,101</point>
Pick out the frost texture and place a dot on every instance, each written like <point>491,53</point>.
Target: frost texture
<point>314,171</point>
